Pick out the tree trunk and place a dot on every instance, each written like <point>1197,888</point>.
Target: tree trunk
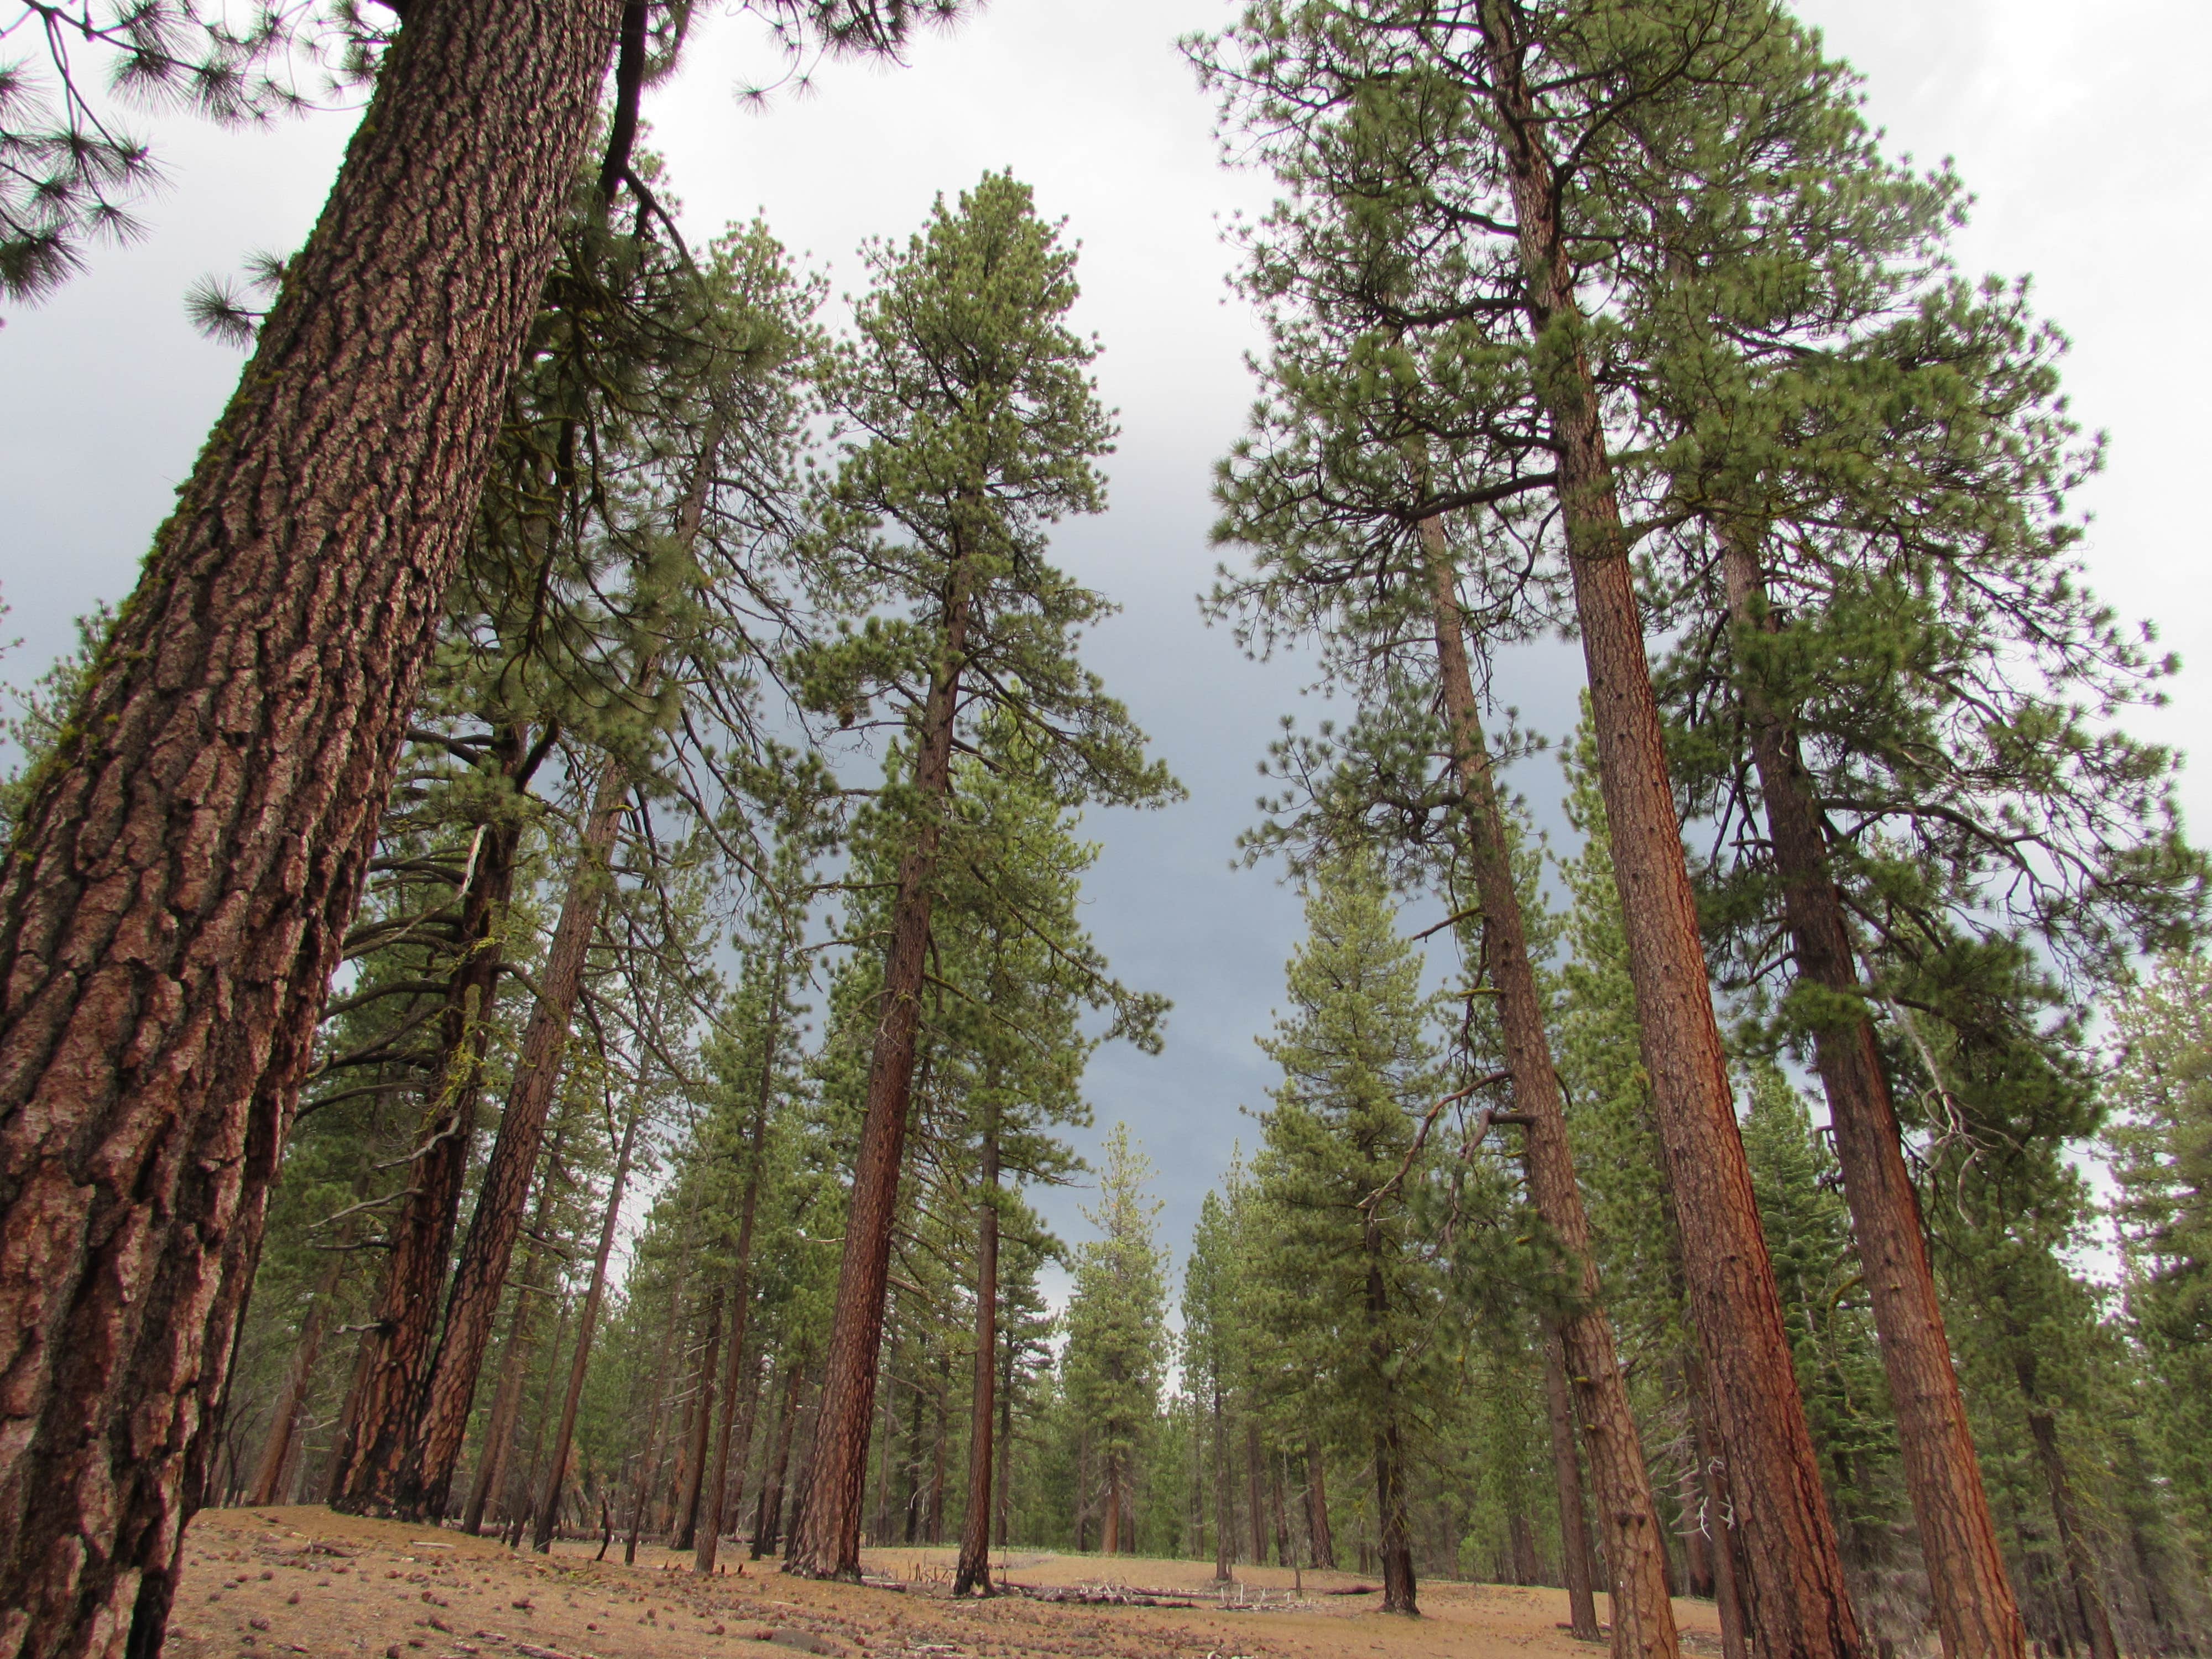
<point>936,1457</point>
<point>298,1376</point>
<point>1521,1537</point>
<point>1002,1448</point>
<point>1110,1532</point>
<point>768,1519</point>
<point>1254,1492</point>
<point>1720,1532</point>
<point>1224,1502</point>
<point>557,1469</point>
<point>1567,1477</point>
<point>1975,1613</point>
<point>686,1523</point>
<point>1796,1603</point>
<point>507,1403</point>
<point>1397,1543</point>
<point>518,1507</point>
<point>367,1471</point>
<point>829,1546</point>
<point>710,1541</point>
<point>1635,1545</point>
<point>420,1489</point>
<point>173,902</point>
<point>1697,1548</point>
<point>2081,1571</point>
<point>974,1574</point>
<point>1324,1543</point>
<point>1283,1558</point>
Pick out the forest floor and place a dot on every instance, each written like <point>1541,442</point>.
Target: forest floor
<point>268,1583</point>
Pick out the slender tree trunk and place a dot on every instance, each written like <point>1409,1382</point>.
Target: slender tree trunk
<point>1002,1448</point>
<point>418,1488</point>
<point>1324,1543</point>
<point>1697,1551</point>
<point>1796,1603</point>
<point>648,1473</point>
<point>1253,1495</point>
<point>1224,1516</point>
<point>936,1458</point>
<point>1975,1613</point>
<point>829,1546</point>
<point>702,1417</point>
<point>1636,1546</point>
<point>1283,1555</point>
<point>298,1377</point>
<point>710,1540</point>
<point>506,1401</point>
<point>974,1574</point>
<point>767,1527</point>
<point>557,1468</point>
<point>2081,1572</point>
<point>180,884</point>
<point>1567,1477</point>
<point>366,1473</point>
<point>515,1502</point>
<point>1721,1533</point>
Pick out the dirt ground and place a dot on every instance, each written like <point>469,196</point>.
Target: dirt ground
<point>269,1583</point>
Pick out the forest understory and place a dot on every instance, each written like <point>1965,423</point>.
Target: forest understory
<point>309,1580</point>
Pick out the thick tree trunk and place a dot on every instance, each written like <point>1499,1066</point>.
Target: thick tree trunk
<point>173,905</point>
<point>709,1542</point>
<point>366,1473</point>
<point>1796,1603</point>
<point>684,1529</point>
<point>1635,1545</point>
<point>557,1468</point>
<point>419,1489</point>
<point>1324,1542</point>
<point>507,1399</point>
<point>1522,1538</point>
<point>298,1376</point>
<point>2083,1577</point>
<point>1975,1613</point>
<point>1110,1542</point>
<point>974,1574</point>
<point>829,1546</point>
<point>1567,1479</point>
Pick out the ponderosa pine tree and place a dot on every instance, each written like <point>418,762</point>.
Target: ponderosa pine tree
<point>2161,1093</point>
<point>1118,1331</point>
<point>1341,492</point>
<point>1344,1284</point>
<point>1524,114</point>
<point>978,426</point>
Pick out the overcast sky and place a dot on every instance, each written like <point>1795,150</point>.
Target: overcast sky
<point>2079,128</point>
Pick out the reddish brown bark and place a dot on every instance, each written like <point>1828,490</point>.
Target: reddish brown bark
<point>284,1421</point>
<point>710,1541</point>
<point>1642,1617</point>
<point>828,1546</point>
<point>974,1572</point>
<point>1976,1614</point>
<point>686,1520</point>
<point>419,1489</point>
<point>380,1424</point>
<point>649,1467</point>
<point>507,1400</point>
<point>1795,1601</point>
<point>173,905</point>
<point>557,1471</point>
<point>1567,1479</point>
<point>1396,1540</point>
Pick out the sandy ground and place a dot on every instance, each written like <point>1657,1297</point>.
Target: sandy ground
<point>268,1583</point>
